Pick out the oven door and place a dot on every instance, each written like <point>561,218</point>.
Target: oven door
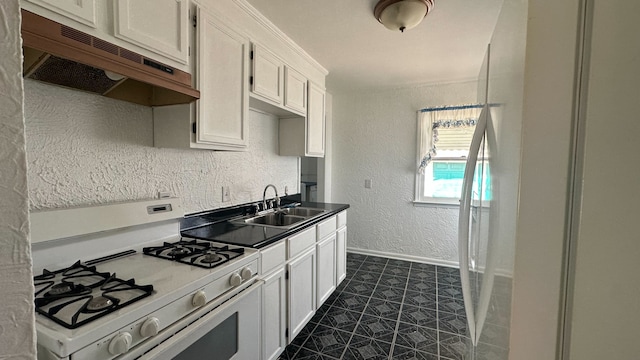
<point>229,332</point>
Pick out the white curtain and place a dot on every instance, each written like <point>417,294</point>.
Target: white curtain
<point>430,120</point>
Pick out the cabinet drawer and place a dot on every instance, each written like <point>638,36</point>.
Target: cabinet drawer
<point>272,257</point>
<point>326,227</point>
<point>300,242</point>
<point>342,219</point>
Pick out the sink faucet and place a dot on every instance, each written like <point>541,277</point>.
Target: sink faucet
<point>264,197</point>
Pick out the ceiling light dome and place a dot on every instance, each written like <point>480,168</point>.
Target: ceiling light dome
<point>402,14</point>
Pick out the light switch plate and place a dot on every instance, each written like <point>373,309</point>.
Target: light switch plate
<point>367,184</point>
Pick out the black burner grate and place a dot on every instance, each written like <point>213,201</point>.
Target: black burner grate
<point>197,254</point>
<point>63,296</point>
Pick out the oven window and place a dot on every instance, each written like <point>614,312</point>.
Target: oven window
<point>221,343</point>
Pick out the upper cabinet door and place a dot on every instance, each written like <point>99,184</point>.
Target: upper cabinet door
<point>82,11</point>
<point>315,122</point>
<point>295,91</point>
<point>161,26</point>
<point>267,75</point>
<point>223,78</point>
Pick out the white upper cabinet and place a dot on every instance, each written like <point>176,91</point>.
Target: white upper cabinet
<point>222,77</point>
<point>286,81</point>
<point>160,26</point>
<point>267,75</point>
<point>217,121</point>
<point>315,131</point>
<point>82,11</point>
<point>276,88</point>
<point>295,91</point>
<point>305,136</point>
<point>156,29</point>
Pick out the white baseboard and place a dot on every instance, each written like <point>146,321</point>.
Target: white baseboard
<point>420,259</point>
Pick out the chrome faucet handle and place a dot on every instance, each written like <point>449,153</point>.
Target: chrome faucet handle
<point>270,204</point>
<point>277,202</point>
<point>256,208</point>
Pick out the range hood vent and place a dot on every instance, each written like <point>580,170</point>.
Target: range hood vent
<point>61,55</point>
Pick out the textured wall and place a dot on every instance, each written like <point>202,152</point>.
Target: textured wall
<point>17,333</point>
<point>374,137</point>
<point>86,149</point>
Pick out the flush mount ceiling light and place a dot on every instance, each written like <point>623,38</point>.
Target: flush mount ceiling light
<point>402,14</point>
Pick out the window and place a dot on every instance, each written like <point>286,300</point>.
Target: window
<point>444,137</point>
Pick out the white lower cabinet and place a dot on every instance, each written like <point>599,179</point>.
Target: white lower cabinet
<point>326,268</point>
<point>301,291</point>
<point>299,274</point>
<point>274,317</point>
<point>341,255</point>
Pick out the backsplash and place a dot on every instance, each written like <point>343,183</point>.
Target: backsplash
<point>84,149</point>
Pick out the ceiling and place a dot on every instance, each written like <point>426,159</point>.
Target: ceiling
<point>343,35</point>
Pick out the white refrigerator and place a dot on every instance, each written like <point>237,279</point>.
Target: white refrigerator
<point>489,199</point>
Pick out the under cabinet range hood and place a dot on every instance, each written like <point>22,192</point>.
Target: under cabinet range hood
<point>61,55</point>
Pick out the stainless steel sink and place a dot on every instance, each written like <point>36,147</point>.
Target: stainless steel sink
<point>282,218</point>
<point>275,219</point>
<point>302,211</point>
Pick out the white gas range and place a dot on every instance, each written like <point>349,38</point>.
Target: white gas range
<point>118,281</point>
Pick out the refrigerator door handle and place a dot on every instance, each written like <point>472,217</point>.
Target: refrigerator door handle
<point>463,221</point>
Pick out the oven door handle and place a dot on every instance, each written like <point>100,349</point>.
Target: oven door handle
<point>159,347</point>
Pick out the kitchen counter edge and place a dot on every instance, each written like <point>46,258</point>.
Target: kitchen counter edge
<point>206,225</point>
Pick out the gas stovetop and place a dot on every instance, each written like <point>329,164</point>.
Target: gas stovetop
<point>193,252</point>
<point>80,294</point>
<point>82,305</point>
<point>152,283</point>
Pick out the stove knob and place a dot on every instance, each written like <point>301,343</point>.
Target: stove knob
<point>246,273</point>
<point>235,279</point>
<point>150,327</point>
<point>120,343</point>
<point>199,299</point>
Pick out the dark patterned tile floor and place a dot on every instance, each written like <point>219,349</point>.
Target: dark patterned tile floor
<point>389,309</point>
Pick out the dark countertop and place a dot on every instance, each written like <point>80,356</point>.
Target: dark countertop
<point>213,225</point>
